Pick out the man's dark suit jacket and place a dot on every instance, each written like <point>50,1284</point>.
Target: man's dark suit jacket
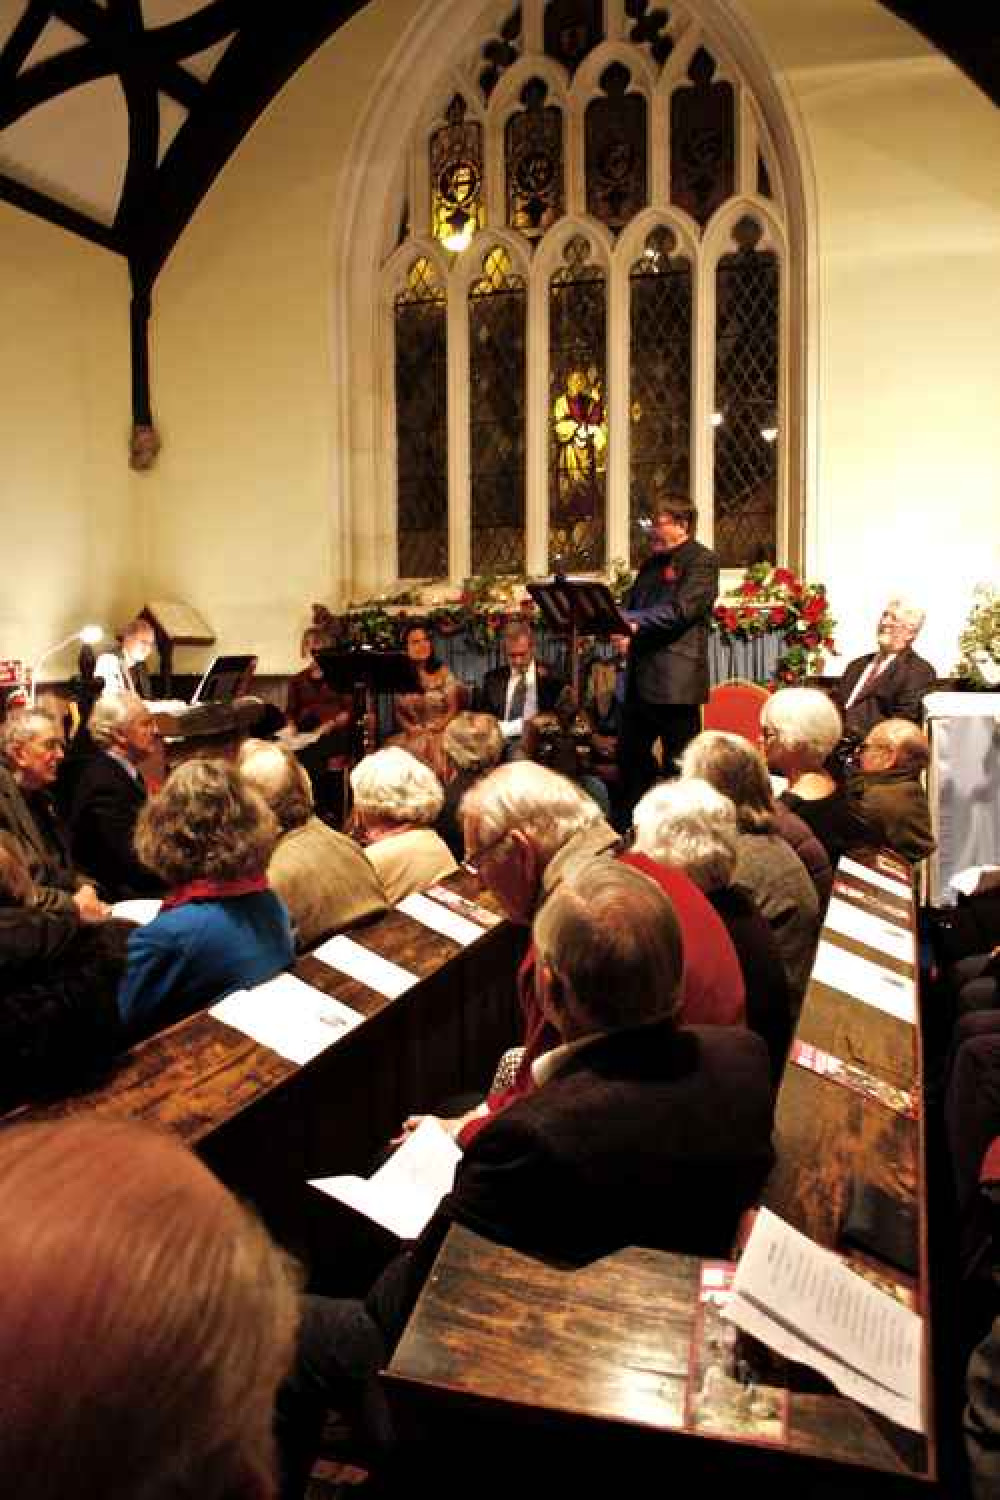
<point>44,845</point>
<point>671,601</point>
<point>652,1136</point>
<point>896,693</point>
<point>493,694</point>
<point>105,803</point>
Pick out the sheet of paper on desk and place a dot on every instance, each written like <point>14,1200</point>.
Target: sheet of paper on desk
<point>866,981</point>
<point>868,927</point>
<point>807,1304</point>
<point>137,910</point>
<point>360,963</point>
<point>292,1018</point>
<point>440,919</point>
<point>873,877</point>
<point>465,908</point>
<point>404,1193</point>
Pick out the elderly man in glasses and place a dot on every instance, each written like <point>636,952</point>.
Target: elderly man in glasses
<point>890,682</point>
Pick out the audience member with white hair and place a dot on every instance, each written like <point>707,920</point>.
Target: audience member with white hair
<point>528,829</point>
<point>146,1323</point>
<point>889,683</point>
<point>800,728</point>
<point>106,794</point>
<point>321,876</point>
<point>766,865</point>
<point>689,826</point>
<point>472,745</point>
<point>397,800</point>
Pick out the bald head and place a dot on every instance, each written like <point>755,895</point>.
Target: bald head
<point>145,1324</point>
<point>895,745</point>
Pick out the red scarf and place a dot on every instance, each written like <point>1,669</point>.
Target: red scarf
<point>213,890</point>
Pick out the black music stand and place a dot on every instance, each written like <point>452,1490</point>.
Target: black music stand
<point>576,607</point>
<point>364,672</point>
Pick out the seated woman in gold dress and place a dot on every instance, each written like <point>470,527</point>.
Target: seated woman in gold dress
<point>423,716</point>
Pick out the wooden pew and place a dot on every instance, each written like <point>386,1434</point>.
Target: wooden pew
<point>265,1124</point>
<point>605,1366</point>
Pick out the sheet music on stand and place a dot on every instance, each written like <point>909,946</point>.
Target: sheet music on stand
<point>576,607</point>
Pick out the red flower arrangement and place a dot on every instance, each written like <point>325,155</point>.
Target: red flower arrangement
<point>777,599</point>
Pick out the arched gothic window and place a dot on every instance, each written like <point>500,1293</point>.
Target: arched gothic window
<point>589,300</point>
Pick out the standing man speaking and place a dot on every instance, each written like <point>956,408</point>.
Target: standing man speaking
<point>668,608</point>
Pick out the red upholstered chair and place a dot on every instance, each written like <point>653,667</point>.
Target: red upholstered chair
<point>735,706</point>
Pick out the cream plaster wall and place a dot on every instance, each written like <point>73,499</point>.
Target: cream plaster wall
<point>244,511</point>
<point>70,524</point>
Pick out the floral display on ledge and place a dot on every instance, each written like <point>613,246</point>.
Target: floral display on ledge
<point>768,599</point>
<point>771,598</point>
<point>979,643</point>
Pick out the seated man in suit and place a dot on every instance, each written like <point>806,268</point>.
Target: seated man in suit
<point>31,752</point>
<point>894,756</point>
<point>889,683</point>
<point>107,795</point>
<point>125,671</point>
<point>521,689</point>
<point>172,1394</point>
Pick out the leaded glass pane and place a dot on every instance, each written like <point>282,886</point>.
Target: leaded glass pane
<point>746,401</point>
<point>534,163</point>
<point>702,141</point>
<point>616,151</point>
<point>572,29</point>
<point>456,166</point>
<point>422,425</point>
<point>660,382</point>
<point>497,325</point>
<point>578,426</point>
<point>650,28</point>
<point>500,53</point>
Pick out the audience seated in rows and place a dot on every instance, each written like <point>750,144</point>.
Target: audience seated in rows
<point>688,826</point>
<point>208,836</point>
<point>322,877</point>
<point>59,981</point>
<point>889,786</point>
<point>108,793</point>
<point>766,865</point>
<point>800,728</point>
<point>472,745</point>
<point>31,751</point>
<point>526,831</point>
<point>637,1132</point>
<point>146,1322</point>
<point>396,802</point>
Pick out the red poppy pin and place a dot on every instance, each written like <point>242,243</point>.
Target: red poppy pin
<point>670,574</point>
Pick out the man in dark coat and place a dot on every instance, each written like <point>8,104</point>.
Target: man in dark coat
<point>524,687</point>
<point>638,1132</point>
<point>669,608</point>
<point>889,683</point>
<point>108,794</point>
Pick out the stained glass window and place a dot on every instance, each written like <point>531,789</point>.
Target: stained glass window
<point>498,53</point>
<point>422,424</point>
<point>456,162</point>
<point>572,29</point>
<point>660,381</point>
<point>534,163</point>
<point>746,400</point>
<point>497,312</point>
<point>702,141</point>
<point>616,151</point>
<point>578,427</point>
<point>649,28</point>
